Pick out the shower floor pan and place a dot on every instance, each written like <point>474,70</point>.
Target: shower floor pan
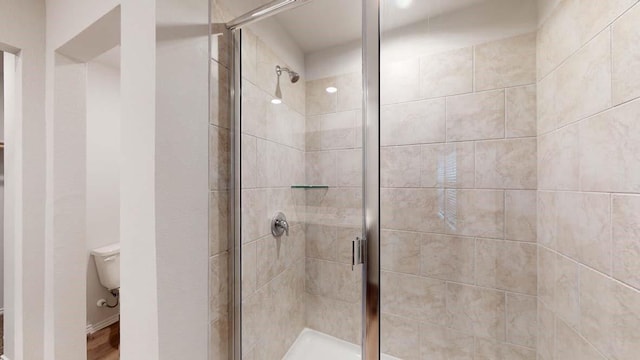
<point>314,345</point>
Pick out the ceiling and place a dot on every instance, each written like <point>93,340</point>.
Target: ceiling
<point>323,24</point>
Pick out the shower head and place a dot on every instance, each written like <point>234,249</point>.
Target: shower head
<point>293,76</point>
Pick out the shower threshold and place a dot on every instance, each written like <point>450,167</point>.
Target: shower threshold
<point>314,345</point>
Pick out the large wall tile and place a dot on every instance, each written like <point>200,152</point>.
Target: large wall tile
<point>432,165</point>
<point>506,265</point>
<point>474,213</point>
<point>275,255</point>
<point>285,126</point>
<point>332,131</point>
<point>334,317</point>
<point>249,162</point>
<point>349,163</point>
<point>546,339</point>
<point>249,56</point>
<point>506,164</point>
<point>412,209</point>
<point>447,257</point>
<point>597,15</point>
<point>567,297</point>
<point>439,342</point>
<point>255,221</point>
<point>318,100</point>
<point>573,346</point>
<point>411,123</point>
<point>584,228</point>
<point>249,269</point>
<point>349,91</point>
<point>400,166</point>
<point>521,111</point>
<point>332,280</point>
<point>400,337</point>
<point>626,239</point>
<point>321,168</point>
<point>321,242</point>
<point>520,217</point>
<point>413,297</point>
<point>476,116</point>
<point>447,73</point>
<point>558,37</point>
<point>522,320</point>
<point>546,218</point>
<point>335,206</point>
<point>219,112</point>
<point>626,56</point>
<point>559,160</point>
<point>219,158</point>
<point>218,286</point>
<point>547,261</point>
<point>491,350</point>
<point>610,315</point>
<point>255,104</point>
<point>583,82</point>
<point>506,63</point>
<point>610,150</point>
<point>477,311</point>
<point>400,81</point>
<point>274,163</point>
<point>459,165</point>
<point>218,222</point>
<point>400,251</point>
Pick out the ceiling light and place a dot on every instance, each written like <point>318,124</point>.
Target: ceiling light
<point>332,90</point>
<point>276,101</point>
<point>403,4</point>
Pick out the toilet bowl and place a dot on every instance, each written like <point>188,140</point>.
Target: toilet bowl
<point>107,260</point>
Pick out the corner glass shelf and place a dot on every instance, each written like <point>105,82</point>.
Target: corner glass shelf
<point>309,187</point>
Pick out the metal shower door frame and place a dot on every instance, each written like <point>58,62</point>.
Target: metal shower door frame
<point>371,312</point>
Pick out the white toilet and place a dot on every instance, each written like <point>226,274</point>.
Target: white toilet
<point>108,263</point>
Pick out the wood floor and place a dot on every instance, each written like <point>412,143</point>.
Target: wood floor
<point>104,344</point>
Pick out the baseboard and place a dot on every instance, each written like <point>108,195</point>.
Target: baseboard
<point>92,328</point>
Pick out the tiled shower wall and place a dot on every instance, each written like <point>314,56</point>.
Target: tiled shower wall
<point>589,182</point>
<point>334,216</point>
<point>458,177</point>
<point>273,269</point>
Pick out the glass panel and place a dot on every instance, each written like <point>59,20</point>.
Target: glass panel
<point>301,156</point>
<point>458,179</point>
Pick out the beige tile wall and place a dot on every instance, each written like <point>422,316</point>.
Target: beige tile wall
<point>459,178</point>
<point>273,269</point>
<point>589,181</point>
<point>333,216</point>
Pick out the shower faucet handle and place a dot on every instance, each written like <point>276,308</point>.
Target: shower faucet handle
<point>279,225</point>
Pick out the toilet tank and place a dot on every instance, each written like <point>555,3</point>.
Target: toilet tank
<point>107,260</point>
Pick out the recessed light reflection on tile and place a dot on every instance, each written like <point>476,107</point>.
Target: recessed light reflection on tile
<point>276,101</point>
<point>332,90</point>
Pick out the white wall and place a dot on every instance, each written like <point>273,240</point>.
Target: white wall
<point>181,199</point>
<point>22,32</point>
<point>103,176</point>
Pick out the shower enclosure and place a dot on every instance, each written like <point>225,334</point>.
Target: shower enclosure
<point>385,199</point>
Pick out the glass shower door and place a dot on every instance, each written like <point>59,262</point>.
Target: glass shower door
<point>298,155</point>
